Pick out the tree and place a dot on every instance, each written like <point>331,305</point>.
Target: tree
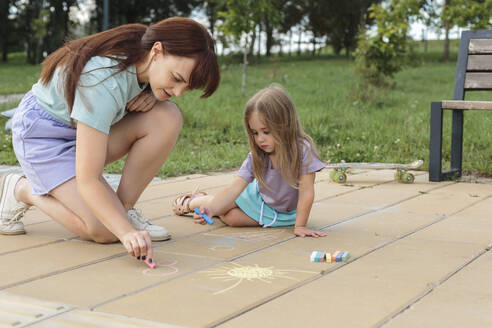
<point>345,20</point>
<point>292,14</point>
<point>58,24</point>
<point>212,9</point>
<point>33,19</point>
<point>240,20</point>
<point>380,56</point>
<point>447,14</point>
<point>5,26</point>
<point>42,25</point>
<point>140,11</point>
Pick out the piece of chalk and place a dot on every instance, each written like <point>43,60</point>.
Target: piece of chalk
<point>204,216</point>
<point>328,257</point>
<point>151,264</point>
<point>317,256</point>
<point>339,257</point>
<point>345,256</point>
<point>334,256</point>
<point>313,256</point>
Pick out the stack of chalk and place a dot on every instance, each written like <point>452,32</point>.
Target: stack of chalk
<point>338,256</point>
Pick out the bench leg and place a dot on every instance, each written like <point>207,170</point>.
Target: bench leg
<point>457,143</point>
<point>435,145</point>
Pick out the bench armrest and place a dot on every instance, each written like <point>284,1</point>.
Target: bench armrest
<point>466,105</point>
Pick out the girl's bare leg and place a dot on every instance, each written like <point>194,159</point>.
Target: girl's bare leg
<point>148,138</point>
<point>233,216</point>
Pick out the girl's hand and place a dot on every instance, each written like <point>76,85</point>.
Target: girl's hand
<point>305,232</point>
<point>138,244</point>
<point>144,102</point>
<point>199,219</point>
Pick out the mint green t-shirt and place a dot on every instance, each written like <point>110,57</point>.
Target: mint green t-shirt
<point>100,98</point>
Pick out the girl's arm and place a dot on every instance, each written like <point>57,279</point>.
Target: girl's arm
<point>91,150</point>
<point>304,204</point>
<point>225,198</point>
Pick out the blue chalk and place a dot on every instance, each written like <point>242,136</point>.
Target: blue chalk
<point>339,257</point>
<point>204,216</point>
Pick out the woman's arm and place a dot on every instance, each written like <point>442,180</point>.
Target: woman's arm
<point>91,150</point>
<point>304,204</point>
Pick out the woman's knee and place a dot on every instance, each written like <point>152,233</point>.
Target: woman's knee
<point>167,118</point>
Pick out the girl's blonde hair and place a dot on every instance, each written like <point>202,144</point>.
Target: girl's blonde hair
<point>279,115</point>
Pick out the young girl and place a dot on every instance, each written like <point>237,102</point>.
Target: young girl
<point>100,98</point>
<point>275,184</point>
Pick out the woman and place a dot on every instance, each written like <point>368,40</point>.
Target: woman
<point>100,98</point>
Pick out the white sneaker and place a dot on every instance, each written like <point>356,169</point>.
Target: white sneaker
<point>11,210</point>
<point>139,222</point>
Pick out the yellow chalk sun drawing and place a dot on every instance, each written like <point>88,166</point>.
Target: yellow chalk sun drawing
<point>238,273</point>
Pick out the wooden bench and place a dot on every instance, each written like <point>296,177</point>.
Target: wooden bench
<point>473,72</point>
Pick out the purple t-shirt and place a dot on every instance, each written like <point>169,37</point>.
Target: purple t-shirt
<point>281,196</point>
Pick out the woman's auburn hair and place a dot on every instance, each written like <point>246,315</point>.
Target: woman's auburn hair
<point>128,44</point>
<point>278,113</point>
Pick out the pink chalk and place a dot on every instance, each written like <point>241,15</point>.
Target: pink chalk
<point>151,264</point>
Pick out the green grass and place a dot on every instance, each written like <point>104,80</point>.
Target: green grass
<point>393,126</point>
<point>16,76</point>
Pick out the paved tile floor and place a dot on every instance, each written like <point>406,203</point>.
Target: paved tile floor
<point>420,257</point>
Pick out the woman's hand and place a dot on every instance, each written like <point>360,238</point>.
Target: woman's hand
<point>305,232</point>
<point>138,244</point>
<point>144,102</point>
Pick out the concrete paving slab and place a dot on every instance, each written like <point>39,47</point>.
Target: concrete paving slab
<point>449,197</point>
<point>327,213</point>
<point>365,291</point>
<point>227,243</point>
<point>10,244</point>
<point>382,195</point>
<point>281,259</point>
<point>49,229</point>
<point>211,298</point>
<point>34,215</point>
<point>397,266</point>
<point>407,243</point>
<point>167,189</point>
<point>101,282</point>
<point>93,319</point>
<point>34,263</point>
<point>472,225</point>
<point>462,301</point>
<point>18,311</point>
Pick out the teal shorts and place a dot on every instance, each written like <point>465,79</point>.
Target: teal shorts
<point>250,202</point>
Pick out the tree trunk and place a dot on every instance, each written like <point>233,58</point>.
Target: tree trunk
<point>269,35</point>
<point>211,17</point>
<point>252,44</point>
<point>445,55</point>
<point>245,64</point>
<point>290,41</point>
<point>4,10</point>
<point>299,43</point>
<point>259,42</point>
<point>314,45</point>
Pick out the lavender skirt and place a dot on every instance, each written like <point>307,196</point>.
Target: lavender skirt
<point>44,146</point>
